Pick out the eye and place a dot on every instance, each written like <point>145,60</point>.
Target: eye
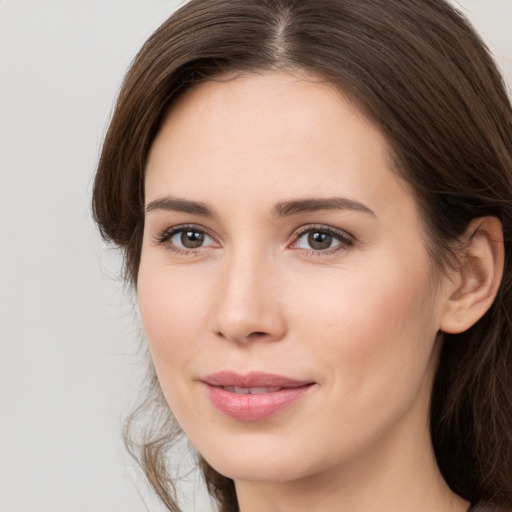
<point>189,239</point>
<point>186,238</point>
<point>322,239</point>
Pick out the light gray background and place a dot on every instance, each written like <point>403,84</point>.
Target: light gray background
<point>69,366</point>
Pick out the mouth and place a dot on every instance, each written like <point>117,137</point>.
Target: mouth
<point>250,391</point>
<point>255,396</point>
<point>253,381</point>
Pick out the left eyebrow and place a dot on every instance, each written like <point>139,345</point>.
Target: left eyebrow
<point>286,208</point>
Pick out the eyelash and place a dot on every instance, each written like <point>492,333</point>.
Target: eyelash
<point>165,237</point>
<point>345,241</point>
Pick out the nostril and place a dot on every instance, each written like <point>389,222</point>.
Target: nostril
<point>258,334</point>
<point>251,336</point>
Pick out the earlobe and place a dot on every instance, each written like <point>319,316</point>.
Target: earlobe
<point>478,276</point>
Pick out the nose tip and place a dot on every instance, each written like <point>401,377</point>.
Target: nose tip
<point>248,323</point>
<point>249,309</point>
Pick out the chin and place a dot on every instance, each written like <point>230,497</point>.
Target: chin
<point>259,470</point>
<point>260,460</point>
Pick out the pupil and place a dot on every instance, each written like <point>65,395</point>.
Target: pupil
<point>319,240</point>
<point>192,239</point>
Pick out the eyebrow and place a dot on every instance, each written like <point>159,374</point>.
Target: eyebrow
<point>179,205</point>
<point>286,208</point>
<point>282,209</point>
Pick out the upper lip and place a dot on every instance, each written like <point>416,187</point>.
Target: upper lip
<point>252,380</point>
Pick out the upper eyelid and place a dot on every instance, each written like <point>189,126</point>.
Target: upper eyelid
<point>164,236</point>
<point>183,227</point>
<point>345,240</point>
<point>322,227</point>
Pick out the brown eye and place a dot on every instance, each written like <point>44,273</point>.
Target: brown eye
<point>322,240</point>
<point>319,241</point>
<point>184,239</point>
<point>191,239</point>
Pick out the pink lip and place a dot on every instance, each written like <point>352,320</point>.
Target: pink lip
<point>253,407</point>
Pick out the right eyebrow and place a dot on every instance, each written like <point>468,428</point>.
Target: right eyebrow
<point>173,204</point>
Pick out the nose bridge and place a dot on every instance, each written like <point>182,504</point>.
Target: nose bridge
<point>248,307</point>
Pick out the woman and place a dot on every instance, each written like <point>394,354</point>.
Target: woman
<point>314,199</point>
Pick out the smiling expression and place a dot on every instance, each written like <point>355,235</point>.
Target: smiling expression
<point>284,284</point>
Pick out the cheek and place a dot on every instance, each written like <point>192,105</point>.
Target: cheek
<point>373,336</point>
<point>173,312</point>
<point>370,325</point>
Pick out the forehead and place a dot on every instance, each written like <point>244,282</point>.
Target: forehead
<point>270,134</point>
<point>266,106</point>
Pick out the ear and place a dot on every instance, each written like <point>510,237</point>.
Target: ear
<point>475,282</point>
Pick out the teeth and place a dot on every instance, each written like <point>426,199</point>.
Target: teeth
<point>250,391</point>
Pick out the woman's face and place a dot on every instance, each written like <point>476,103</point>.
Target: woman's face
<point>284,284</point>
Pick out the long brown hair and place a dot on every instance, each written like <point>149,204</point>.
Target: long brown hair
<point>418,70</point>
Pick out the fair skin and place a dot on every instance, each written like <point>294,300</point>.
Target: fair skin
<point>337,292</point>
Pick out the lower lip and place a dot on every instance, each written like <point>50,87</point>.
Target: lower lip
<point>247,407</point>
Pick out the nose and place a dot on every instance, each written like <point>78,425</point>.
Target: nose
<point>248,303</point>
